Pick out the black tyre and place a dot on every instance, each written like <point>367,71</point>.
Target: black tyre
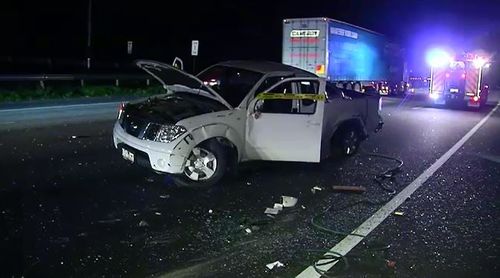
<point>206,165</point>
<point>346,140</point>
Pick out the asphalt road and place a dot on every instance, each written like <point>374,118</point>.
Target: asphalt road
<point>71,206</point>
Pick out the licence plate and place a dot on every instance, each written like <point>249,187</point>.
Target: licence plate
<point>128,155</point>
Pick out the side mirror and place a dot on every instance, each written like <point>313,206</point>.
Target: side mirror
<point>258,108</point>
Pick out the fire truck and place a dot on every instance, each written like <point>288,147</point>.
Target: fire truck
<point>458,80</point>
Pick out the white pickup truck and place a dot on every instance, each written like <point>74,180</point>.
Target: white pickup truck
<point>204,125</point>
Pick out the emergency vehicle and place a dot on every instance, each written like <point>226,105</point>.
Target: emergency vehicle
<point>459,80</point>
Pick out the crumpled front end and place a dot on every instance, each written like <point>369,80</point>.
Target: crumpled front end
<point>158,156</point>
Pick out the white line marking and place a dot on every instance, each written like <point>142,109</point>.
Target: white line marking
<point>7,123</point>
<point>58,106</point>
<point>349,242</point>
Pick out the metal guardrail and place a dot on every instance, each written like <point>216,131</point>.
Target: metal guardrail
<point>82,78</point>
<point>71,77</point>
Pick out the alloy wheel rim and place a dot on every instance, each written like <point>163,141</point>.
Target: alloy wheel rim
<point>200,165</point>
<point>350,142</point>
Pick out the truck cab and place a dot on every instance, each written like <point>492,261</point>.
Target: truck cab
<point>203,126</point>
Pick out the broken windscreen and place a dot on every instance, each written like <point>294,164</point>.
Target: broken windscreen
<point>231,83</point>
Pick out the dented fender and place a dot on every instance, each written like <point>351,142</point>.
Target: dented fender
<point>198,135</point>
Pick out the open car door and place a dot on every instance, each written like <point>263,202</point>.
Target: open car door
<point>285,122</point>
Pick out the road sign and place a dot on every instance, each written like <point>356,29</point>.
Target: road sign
<point>194,47</point>
<point>130,44</point>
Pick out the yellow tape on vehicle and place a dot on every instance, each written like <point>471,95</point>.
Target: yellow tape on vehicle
<point>265,96</point>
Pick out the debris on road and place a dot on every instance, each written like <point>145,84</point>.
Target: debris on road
<point>248,230</point>
<point>353,189</point>
<point>249,183</point>
<point>278,206</point>
<point>274,264</point>
<point>288,201</point>
<point>210,211</point>
<point>316,188</point>
<point>158,213</point>
<point>399,213</point>
<point>150,179</point>
<point>79,136</point>
<point>165,196</point>
<point>272,211</point>
<point>143,224</point>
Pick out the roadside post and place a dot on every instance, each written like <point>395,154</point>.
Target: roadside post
<point>130,45</point>
<point>194,53</point>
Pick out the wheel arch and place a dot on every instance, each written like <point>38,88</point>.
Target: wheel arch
<point>326,142</point>
<point>356,122</point>
<point>224,134</point>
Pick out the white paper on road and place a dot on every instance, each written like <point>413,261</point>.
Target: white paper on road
<point>274,264</point>
<point>288,201</point>
<point>273,211</point>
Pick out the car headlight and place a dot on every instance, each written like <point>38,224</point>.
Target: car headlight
<point>168,133</point>
<point>121,111</point>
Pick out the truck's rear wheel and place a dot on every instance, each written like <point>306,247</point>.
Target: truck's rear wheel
<point>205,166</point>
<point>346,141</point>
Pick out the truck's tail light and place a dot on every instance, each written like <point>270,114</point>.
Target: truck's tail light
<point>475,98</point>
<point>320,69</point>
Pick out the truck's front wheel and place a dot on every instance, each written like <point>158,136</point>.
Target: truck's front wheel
<point>205,165</point>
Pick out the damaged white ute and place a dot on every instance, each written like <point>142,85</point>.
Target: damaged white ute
<point>204,125</point>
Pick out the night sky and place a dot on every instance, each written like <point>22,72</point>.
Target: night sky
<point>231,29</point>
